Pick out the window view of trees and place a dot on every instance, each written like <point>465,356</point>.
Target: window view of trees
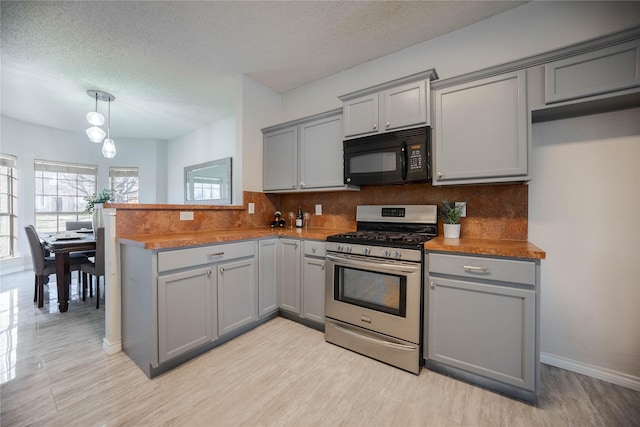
<point>124,183</point>
<point>60,192</point>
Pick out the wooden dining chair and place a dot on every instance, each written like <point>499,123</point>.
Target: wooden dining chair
<point>95,268</point>
<point>44,266</point>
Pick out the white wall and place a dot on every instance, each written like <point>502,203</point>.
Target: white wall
<point>28,142</point>
<point>589,310</point>
<point>584,210</point>
<point>211,142</point>
<point>260,108</point>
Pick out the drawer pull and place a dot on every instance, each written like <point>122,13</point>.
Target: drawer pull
<point>473,269</point>
<point>216,254</point>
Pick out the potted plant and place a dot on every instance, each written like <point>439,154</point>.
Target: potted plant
<point>451,216</point>
<point>94,206</point>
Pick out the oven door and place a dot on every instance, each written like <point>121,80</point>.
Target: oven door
<point>379,295</point>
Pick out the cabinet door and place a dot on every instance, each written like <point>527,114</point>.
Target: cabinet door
<point>405,106</point>
<point>236,294</point>
<point>280,159</point>
<point>289,276</point>
<point>593,73</point>
<point>321,160</point>
<point>481,131</point>
<point>184,312</point>
<point>313,289</point>
<point>267,276</point>
<point>361,116</point>
<point>485,329</point>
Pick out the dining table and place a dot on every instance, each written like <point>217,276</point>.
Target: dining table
<point>62,244</point>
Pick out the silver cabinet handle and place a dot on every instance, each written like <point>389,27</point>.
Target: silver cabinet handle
<point>439,175</point>
<point>322,267</point>
<point>432,285</point>
<point>473,269</point>
<point>214,255</point>
<point>208,272</point>
<point>387,125</point>
<point>221,269</point>
<point>375,126</point>
<point>301,184</point>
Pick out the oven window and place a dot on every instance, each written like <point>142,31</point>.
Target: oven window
<point>373,162</point>
<point>378,291</point>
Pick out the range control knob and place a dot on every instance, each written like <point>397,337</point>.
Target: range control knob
<point>366,251</point>
<point>339,247</point>
<point>347,249</point>
<point>397,254</point>
<point>386,253</point>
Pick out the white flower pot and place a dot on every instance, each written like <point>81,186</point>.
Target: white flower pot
<point>452,231</point>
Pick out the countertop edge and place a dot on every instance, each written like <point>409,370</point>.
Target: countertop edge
<point>494,247</point>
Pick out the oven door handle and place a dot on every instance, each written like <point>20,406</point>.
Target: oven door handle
<point>362,262</point>
<point>390,344</point>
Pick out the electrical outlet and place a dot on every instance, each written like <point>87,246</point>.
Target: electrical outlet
<point>318,209</point>
<point>186,216</point>
<point>464,208</point>
<point>252,208</point>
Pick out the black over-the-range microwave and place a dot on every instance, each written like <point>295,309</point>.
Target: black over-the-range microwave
<point>388,158</point>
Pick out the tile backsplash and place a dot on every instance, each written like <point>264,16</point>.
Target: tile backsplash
<point>493,211</point>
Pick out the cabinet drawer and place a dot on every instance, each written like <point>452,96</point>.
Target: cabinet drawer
<point>503,270</point>
<point>181,258</point>
<point>314,248</point>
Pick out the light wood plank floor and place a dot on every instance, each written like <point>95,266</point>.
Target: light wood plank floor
<point>54,372</point>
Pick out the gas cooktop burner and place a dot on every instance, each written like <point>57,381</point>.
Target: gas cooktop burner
<point>379,238</point>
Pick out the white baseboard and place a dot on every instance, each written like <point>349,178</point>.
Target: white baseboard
<point>111,347</point>
<point>604,374</point>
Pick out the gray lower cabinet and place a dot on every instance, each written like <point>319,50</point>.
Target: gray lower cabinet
<point>313,281</point>
<point>481,131</point>
<point>184,312</point>
<point>289,275</point>
<point>267,276</point>
<point>236,294</point>
<point>481,321</point>
<point>178,303</point>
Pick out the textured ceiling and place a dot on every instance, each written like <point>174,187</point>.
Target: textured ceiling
<point>172,66</point>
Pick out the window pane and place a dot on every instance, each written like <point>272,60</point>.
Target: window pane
<point>60,192</point>
<point>124,183</point>
<point>8,204</point>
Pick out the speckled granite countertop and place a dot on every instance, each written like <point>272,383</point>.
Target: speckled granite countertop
<point>168,241</point>
<point>495,247</point>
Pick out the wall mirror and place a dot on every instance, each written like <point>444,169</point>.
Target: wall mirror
<point>208,183</point>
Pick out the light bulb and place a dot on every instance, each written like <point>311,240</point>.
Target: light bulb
<point>95,134</point>
<point>95,118</point>
<point>109,148</point>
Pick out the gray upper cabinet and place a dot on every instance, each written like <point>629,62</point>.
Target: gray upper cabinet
<point>321,164</point>
<point>400,104</point>
<point>481,131</point>
<point>305,155</point>
<point>280,167</point>
<point>601,71</point>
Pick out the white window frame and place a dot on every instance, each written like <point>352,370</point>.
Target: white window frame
<point>9,205</point>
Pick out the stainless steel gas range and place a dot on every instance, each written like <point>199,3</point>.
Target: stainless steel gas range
<point>374,283</point>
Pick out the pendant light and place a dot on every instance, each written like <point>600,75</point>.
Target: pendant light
<point>95,133</point>
<point>109,147</point>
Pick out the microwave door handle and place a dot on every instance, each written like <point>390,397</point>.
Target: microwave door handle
<point>403,159</point>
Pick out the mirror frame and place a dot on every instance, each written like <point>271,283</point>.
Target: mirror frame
<point>226,199</point>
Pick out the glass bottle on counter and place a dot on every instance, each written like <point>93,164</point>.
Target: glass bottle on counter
<point>299,218</point>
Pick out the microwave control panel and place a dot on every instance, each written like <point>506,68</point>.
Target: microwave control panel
<point>416,157</point>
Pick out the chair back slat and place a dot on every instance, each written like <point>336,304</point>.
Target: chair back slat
<point>78,225</point>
